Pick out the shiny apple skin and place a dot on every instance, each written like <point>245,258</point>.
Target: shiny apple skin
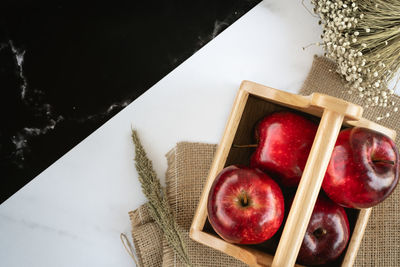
<point>251,224</point>
<point>352,178</point>
<point>323,248</point>
<point>284,142</point>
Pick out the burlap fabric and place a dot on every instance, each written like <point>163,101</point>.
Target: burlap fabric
<point>188,165</point>
<point>147,237</point>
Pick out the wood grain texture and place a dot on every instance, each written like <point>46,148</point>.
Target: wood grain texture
<point>308,189</point>
<point>356,237</point>
<point>253,102</point>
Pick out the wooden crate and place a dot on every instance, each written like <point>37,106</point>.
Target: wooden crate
<point>253,102</point>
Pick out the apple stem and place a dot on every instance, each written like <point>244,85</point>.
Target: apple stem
<point>383,161</point>
<point>244,200</point>
<point>245,146</point>
<point>320,232</point>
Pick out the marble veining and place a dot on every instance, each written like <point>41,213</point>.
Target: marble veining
<point>19,57</point>
<point>219,26</point>
<point>32,98</point>
<point>110,110</point>
<point>36,226</point>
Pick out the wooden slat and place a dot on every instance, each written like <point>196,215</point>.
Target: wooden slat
<point>230,249</point>
<point>374,126</point>
<point>308,190</point>
<point>356,237</point>
<point>276,96</point>
<point>248,255</point>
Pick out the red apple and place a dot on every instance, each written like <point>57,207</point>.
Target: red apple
<point>327,233</point>
<point>363,170</point>
<point>284,142</point>
<point>245,206</point>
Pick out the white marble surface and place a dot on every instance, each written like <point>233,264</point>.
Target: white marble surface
<point>73,212</point>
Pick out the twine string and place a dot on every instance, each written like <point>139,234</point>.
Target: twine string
<point>128,247</point>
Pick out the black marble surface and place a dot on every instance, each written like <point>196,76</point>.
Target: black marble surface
<point>67,69</point>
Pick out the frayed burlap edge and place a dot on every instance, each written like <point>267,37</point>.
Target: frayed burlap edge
<point>147,238</point>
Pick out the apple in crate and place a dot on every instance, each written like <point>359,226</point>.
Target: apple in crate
<point>327,233</point>
<point>245,206</point>
<point>284,142</point>
<point>363,169</point>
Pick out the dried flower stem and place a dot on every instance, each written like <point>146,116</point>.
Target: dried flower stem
<point>158,206</point>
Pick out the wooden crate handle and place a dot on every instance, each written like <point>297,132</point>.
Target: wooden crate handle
<point>308,190</point>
